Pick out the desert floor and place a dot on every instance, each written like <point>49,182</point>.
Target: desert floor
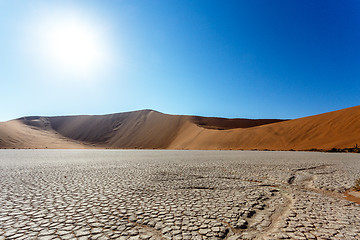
<point>166,194</point>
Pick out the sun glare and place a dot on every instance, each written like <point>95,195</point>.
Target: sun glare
<point>71,44</point>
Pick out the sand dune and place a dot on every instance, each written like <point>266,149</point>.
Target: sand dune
<point>226,123</point>
<point>16,134</point>
<point>338,129</point>
<point>151,129</point>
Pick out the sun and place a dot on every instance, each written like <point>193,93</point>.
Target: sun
<point>72,45</point>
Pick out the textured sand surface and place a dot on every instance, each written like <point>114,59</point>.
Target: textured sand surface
<point>338,129</point>
<point>16,134</point>
<point>153,130</point>
<point>166,194</point>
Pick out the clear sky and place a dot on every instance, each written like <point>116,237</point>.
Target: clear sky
<point>252,59</point>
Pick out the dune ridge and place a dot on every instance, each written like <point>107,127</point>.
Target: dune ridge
<point>149,129</point>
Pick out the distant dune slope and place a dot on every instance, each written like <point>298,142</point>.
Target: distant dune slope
<point>226,123</point>
<point>338,129</point>
<point>16,134</point>
<point>139,129</point>
<point>151,129</point>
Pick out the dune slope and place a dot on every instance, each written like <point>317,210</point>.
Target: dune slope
<point>150,129</point>
<point>338,129</point>
<point>16,134</point>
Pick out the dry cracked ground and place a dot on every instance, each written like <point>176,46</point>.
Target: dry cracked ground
<point>109,194</point>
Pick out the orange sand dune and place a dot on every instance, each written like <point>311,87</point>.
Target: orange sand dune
<point>338,129</point>
<point>151,129</point>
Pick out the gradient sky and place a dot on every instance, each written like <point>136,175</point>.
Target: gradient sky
<point>252,59</point>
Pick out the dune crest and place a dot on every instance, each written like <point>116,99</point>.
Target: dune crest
<point>149,129</point>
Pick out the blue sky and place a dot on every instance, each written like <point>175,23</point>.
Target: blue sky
<point>251,59</point>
